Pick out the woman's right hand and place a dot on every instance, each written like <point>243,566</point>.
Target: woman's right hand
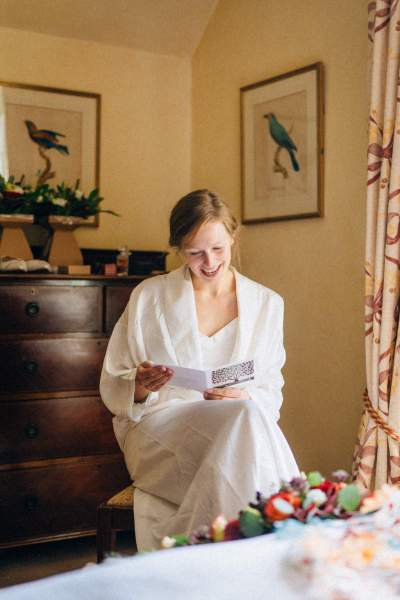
<point>150,378</point>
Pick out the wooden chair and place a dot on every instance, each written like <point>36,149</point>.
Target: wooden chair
<point>114,515</point>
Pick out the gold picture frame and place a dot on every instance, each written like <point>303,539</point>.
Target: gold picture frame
<point>282,146</point>
<point>74,114</point>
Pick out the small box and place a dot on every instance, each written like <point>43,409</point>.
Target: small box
<point>109,269</point>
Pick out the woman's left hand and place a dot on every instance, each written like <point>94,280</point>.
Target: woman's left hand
<point>226,393</point>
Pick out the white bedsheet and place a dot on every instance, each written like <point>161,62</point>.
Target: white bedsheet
<point>245,569</point>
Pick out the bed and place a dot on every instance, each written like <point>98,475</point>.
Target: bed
<point>352,560</point>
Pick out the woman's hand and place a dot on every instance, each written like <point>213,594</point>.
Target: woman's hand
<point>226,393</point>
<point>150,378</point>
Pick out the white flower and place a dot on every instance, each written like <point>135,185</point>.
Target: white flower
<point>315,496</point>
<point>59,201</point>
<point>168,542</point>
<point>39,199</point>
<point>78,194</point>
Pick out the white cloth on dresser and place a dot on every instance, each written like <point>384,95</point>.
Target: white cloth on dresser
<point>191,458</point>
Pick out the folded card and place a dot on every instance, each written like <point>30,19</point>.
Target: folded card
<point>201,380</point>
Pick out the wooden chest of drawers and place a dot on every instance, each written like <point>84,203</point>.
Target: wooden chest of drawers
<point>58,455</point>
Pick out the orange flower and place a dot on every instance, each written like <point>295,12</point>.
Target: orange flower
<point>281,506</point>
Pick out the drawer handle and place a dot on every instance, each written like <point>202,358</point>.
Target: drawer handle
<point>31,367</point>
<point>32,309</point>
<point>31,431</point>
<point>31,502</point>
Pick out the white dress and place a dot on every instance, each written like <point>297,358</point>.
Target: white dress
<point>192,459</point>
<point>217,349</point>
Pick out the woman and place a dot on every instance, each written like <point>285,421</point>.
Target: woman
<point>192,455</point>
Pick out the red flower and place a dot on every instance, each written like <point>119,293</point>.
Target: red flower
<point>329,487</point>
<point>232,531</point>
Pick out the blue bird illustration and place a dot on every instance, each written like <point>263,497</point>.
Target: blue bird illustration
<point>282,138</point>
<point>46,138</point>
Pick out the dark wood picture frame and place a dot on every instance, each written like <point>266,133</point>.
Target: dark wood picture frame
<point>282,146</point>
<point>60,98</point>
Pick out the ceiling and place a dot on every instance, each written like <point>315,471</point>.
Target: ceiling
<point>161,26</point>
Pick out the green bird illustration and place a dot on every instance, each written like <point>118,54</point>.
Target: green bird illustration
<point>282,138</point>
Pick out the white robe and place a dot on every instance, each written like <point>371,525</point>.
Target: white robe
<point>193,458</point>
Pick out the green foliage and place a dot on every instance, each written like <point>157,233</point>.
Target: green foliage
<point>315,478</point>
<point>251,522</point>
<point>180,540</point>
<point>42,201</point>
<point>349,498</point>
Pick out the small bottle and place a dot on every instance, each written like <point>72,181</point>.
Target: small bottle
<point>123,261</point>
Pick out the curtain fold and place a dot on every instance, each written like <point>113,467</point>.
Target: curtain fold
<point>377,456</point>
<point>3,137</point>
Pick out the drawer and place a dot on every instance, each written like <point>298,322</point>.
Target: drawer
<point>56,499</point>
<point>54,428</point>
<point>50,309</point>
<point>51,364</point>
<point>116,299</point>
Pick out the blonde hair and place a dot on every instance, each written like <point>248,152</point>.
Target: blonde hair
<point>195,209</point>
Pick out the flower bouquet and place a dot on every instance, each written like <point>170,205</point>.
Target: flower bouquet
<point>63,208</point>
<point>42,200</point>
<point>304,499</point>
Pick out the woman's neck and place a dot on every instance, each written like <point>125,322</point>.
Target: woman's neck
<point>224,286</point>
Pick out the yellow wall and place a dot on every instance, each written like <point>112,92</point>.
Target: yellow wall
<point>146,146</point>
<point>316,264</point>
<point>146,126</point>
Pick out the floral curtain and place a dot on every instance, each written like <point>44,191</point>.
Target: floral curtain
<point>377,455</point>
<point>3,138</point>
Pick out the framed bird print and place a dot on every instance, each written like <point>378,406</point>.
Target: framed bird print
<point>282,146</point>
<point>50,135</point>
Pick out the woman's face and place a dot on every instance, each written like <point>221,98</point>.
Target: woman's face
<point>208,252</point>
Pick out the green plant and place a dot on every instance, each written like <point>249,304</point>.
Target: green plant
<point>43,200</point>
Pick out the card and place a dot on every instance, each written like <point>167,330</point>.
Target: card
<point>201,380</point>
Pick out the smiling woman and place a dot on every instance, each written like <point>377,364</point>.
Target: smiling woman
<point>204,231</point>
<point>208,252</point>
<point>191,454</point>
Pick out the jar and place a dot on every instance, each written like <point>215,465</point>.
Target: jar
<point>123,261</point>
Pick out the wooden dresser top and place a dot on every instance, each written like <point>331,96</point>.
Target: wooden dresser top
<point>49,278</point>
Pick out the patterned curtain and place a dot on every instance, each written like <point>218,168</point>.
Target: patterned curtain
<point>377,455</point>
<point>3,137</point>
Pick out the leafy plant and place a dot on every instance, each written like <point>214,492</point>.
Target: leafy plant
<point>42,201</point>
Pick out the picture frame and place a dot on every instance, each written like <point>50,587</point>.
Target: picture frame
<point>73,114</point>
<point>282,146</point>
